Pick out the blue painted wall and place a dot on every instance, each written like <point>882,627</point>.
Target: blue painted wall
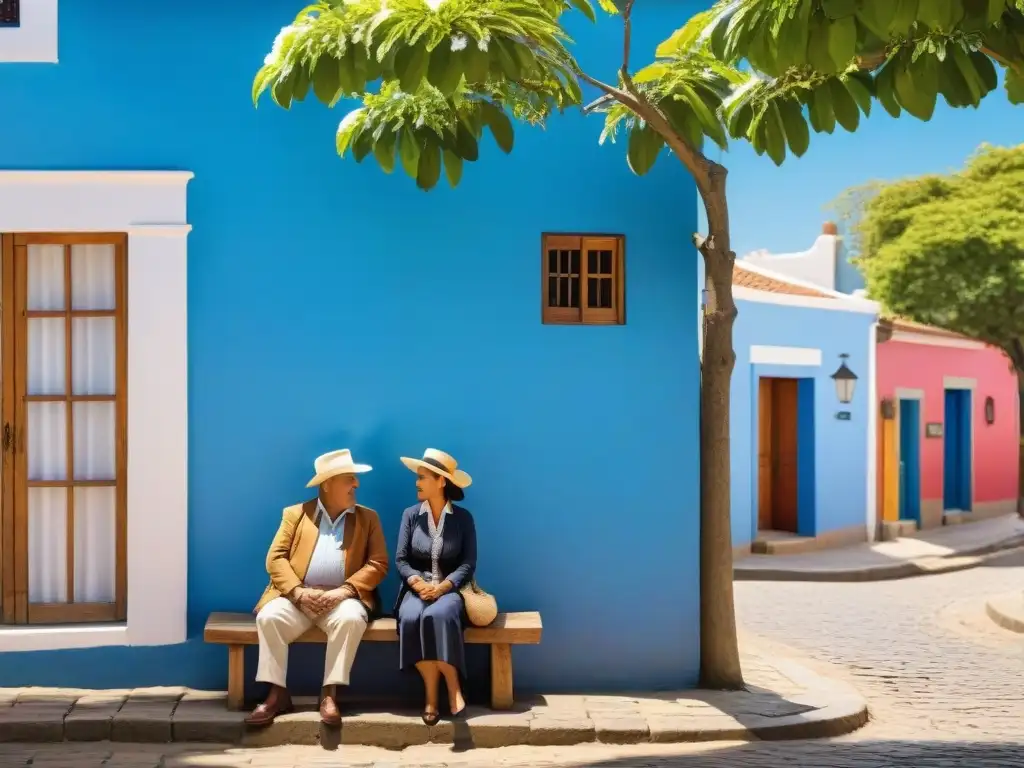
<point>332,305</point>
<point>834,496</point>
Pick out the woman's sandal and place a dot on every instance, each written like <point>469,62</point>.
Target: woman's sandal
<point>430,718</point>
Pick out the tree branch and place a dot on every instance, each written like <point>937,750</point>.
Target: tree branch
<point>627,37</point>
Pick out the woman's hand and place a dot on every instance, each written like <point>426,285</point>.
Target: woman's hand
<point>420,587</point>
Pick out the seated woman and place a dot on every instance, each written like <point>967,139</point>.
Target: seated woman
<point>436,557</point>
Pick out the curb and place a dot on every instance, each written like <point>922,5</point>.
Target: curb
<point>824,709</point>
<point>1007,611</point>
<point>923,566</point>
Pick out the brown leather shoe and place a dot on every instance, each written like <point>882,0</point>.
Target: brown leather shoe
<point>329,714</point>
<point>278,702</point>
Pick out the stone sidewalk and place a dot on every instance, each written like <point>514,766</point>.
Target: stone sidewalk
<point>1007,610</point>
<point>946,549</point>
<point>784,699</point>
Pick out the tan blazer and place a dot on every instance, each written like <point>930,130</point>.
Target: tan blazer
<point>366,552</point>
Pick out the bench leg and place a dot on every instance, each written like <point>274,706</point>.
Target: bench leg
<point>236,676</point>
<point>501,676</point>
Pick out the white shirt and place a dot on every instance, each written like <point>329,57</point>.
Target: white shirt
<point>327,566</point>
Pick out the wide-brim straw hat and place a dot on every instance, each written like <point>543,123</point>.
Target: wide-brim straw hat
<point>440,463</point>
<point>335,463</point>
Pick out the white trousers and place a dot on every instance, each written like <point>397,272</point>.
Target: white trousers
<point>279,623</point>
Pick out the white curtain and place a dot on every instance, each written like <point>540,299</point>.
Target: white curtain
<point>93,424</point>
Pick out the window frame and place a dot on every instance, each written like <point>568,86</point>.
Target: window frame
<point>585,315</point>
<point>33,40</point>
<point>150,207</point>
<point>15,607</point>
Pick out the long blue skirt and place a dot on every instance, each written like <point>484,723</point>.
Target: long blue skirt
<point>431,631</point>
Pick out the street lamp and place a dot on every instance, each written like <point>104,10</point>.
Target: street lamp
<point>845,380</point>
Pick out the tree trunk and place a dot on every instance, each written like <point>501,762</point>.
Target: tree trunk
<point>719,649</point>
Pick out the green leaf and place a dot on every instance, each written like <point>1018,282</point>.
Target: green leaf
<point>839,9</point>
<point>709,120</point>
<point>384,151</point>
<point>818,54</point>
<point>409,152</point>
<point>941,14</point>
<point>362,145</point>
<point>952,85</point>
<point>348,129</point>
<point>843,104</point>
<point>823,118</point>
<point>301,85</point>
<point>325,80</point>
<point>411,64</point>
<point>465,143</point>
<point>775,135</point>
<point>740,120</point>
<point>452,167</point>
<point>684,38</point>
<point>348,80</point>
<point>652,72</point>
<point>585,8</point>
<point>445,69</point>
<point>842,41</point>
<point>642,151</point>
<point>904,17</point>
<point>996,9</point>
<point>885,88</point>
<point>281,90</point>
<point>476,63</point>
<point>971,77</point>
<point>260,82</point>
<point>430,166</point>
<point>504,63</point>
<point>859,87</point>
<point>986,71</point>
<point>1014,87</point>
<point>791,43</point>
<point>359,65</point>
<point>797,135</point>
<point>500,125</point>
<point>878,17</point>
<point>917,86</point>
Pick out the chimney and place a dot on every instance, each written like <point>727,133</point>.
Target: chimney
<point>829,228</point>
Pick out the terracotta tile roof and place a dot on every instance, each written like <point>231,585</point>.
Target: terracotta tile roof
<point>909,326</point>
<point>747,278</point>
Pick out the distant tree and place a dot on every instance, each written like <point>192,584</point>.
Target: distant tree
<point>948,250</point>
<point>432,75</point>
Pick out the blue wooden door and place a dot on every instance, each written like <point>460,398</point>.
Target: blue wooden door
<point>956,470</point>
<point>910,460</point>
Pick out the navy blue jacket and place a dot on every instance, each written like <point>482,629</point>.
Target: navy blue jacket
<point>458,551</point>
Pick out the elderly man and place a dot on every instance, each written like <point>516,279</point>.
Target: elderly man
<point>325,564</point>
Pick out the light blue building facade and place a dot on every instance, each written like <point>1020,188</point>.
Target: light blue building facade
<point>281,302</point>
<point>803,466</point>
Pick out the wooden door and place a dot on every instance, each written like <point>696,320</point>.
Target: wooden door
<point>764,454</point>
<point>784,454</point>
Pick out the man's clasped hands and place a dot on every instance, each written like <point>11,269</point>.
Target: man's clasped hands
<point>316,602</point>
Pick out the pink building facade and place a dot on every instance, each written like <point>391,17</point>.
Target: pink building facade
<point>949,427</point>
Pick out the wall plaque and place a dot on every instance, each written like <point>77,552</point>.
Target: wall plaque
<point>933,429</point>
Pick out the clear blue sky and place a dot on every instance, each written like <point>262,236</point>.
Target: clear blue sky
<point>782,209</point>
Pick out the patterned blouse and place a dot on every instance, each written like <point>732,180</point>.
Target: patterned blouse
<point>436,539</point>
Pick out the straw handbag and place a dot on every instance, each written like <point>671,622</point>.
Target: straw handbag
<point>481,607</point>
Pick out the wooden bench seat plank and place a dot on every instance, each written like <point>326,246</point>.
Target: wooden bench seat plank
<point>236,630</point>
<point>508,628</point>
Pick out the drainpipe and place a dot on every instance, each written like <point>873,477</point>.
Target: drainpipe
<point>871,513</point>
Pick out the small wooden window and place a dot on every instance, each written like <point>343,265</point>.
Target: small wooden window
<point>583,279</point>
<point>10,13</point>
<point>64,374</point>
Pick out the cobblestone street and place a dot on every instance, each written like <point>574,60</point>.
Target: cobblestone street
<point>944,684</point>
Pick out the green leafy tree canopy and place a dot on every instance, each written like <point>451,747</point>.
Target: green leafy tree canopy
<point>949,250</point>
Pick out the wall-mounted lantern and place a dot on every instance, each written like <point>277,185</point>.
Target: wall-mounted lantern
<point>990,410</point>
<point>888,409</point>
<point>846,381</point>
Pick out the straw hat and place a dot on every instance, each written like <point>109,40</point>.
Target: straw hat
<point>440,463</point>
<point>335,463</point>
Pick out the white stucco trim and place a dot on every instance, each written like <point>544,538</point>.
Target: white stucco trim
<point>761,355</point>
<point>871,518</point>
<point>151,207</point>
<point>35,41</point>
<point>743,293</point>
<point>935,341</point>
<point>904,393</point>
<point>958,382</point>
<point>834,300</point>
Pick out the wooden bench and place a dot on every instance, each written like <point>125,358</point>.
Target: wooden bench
<point>237,630</point>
